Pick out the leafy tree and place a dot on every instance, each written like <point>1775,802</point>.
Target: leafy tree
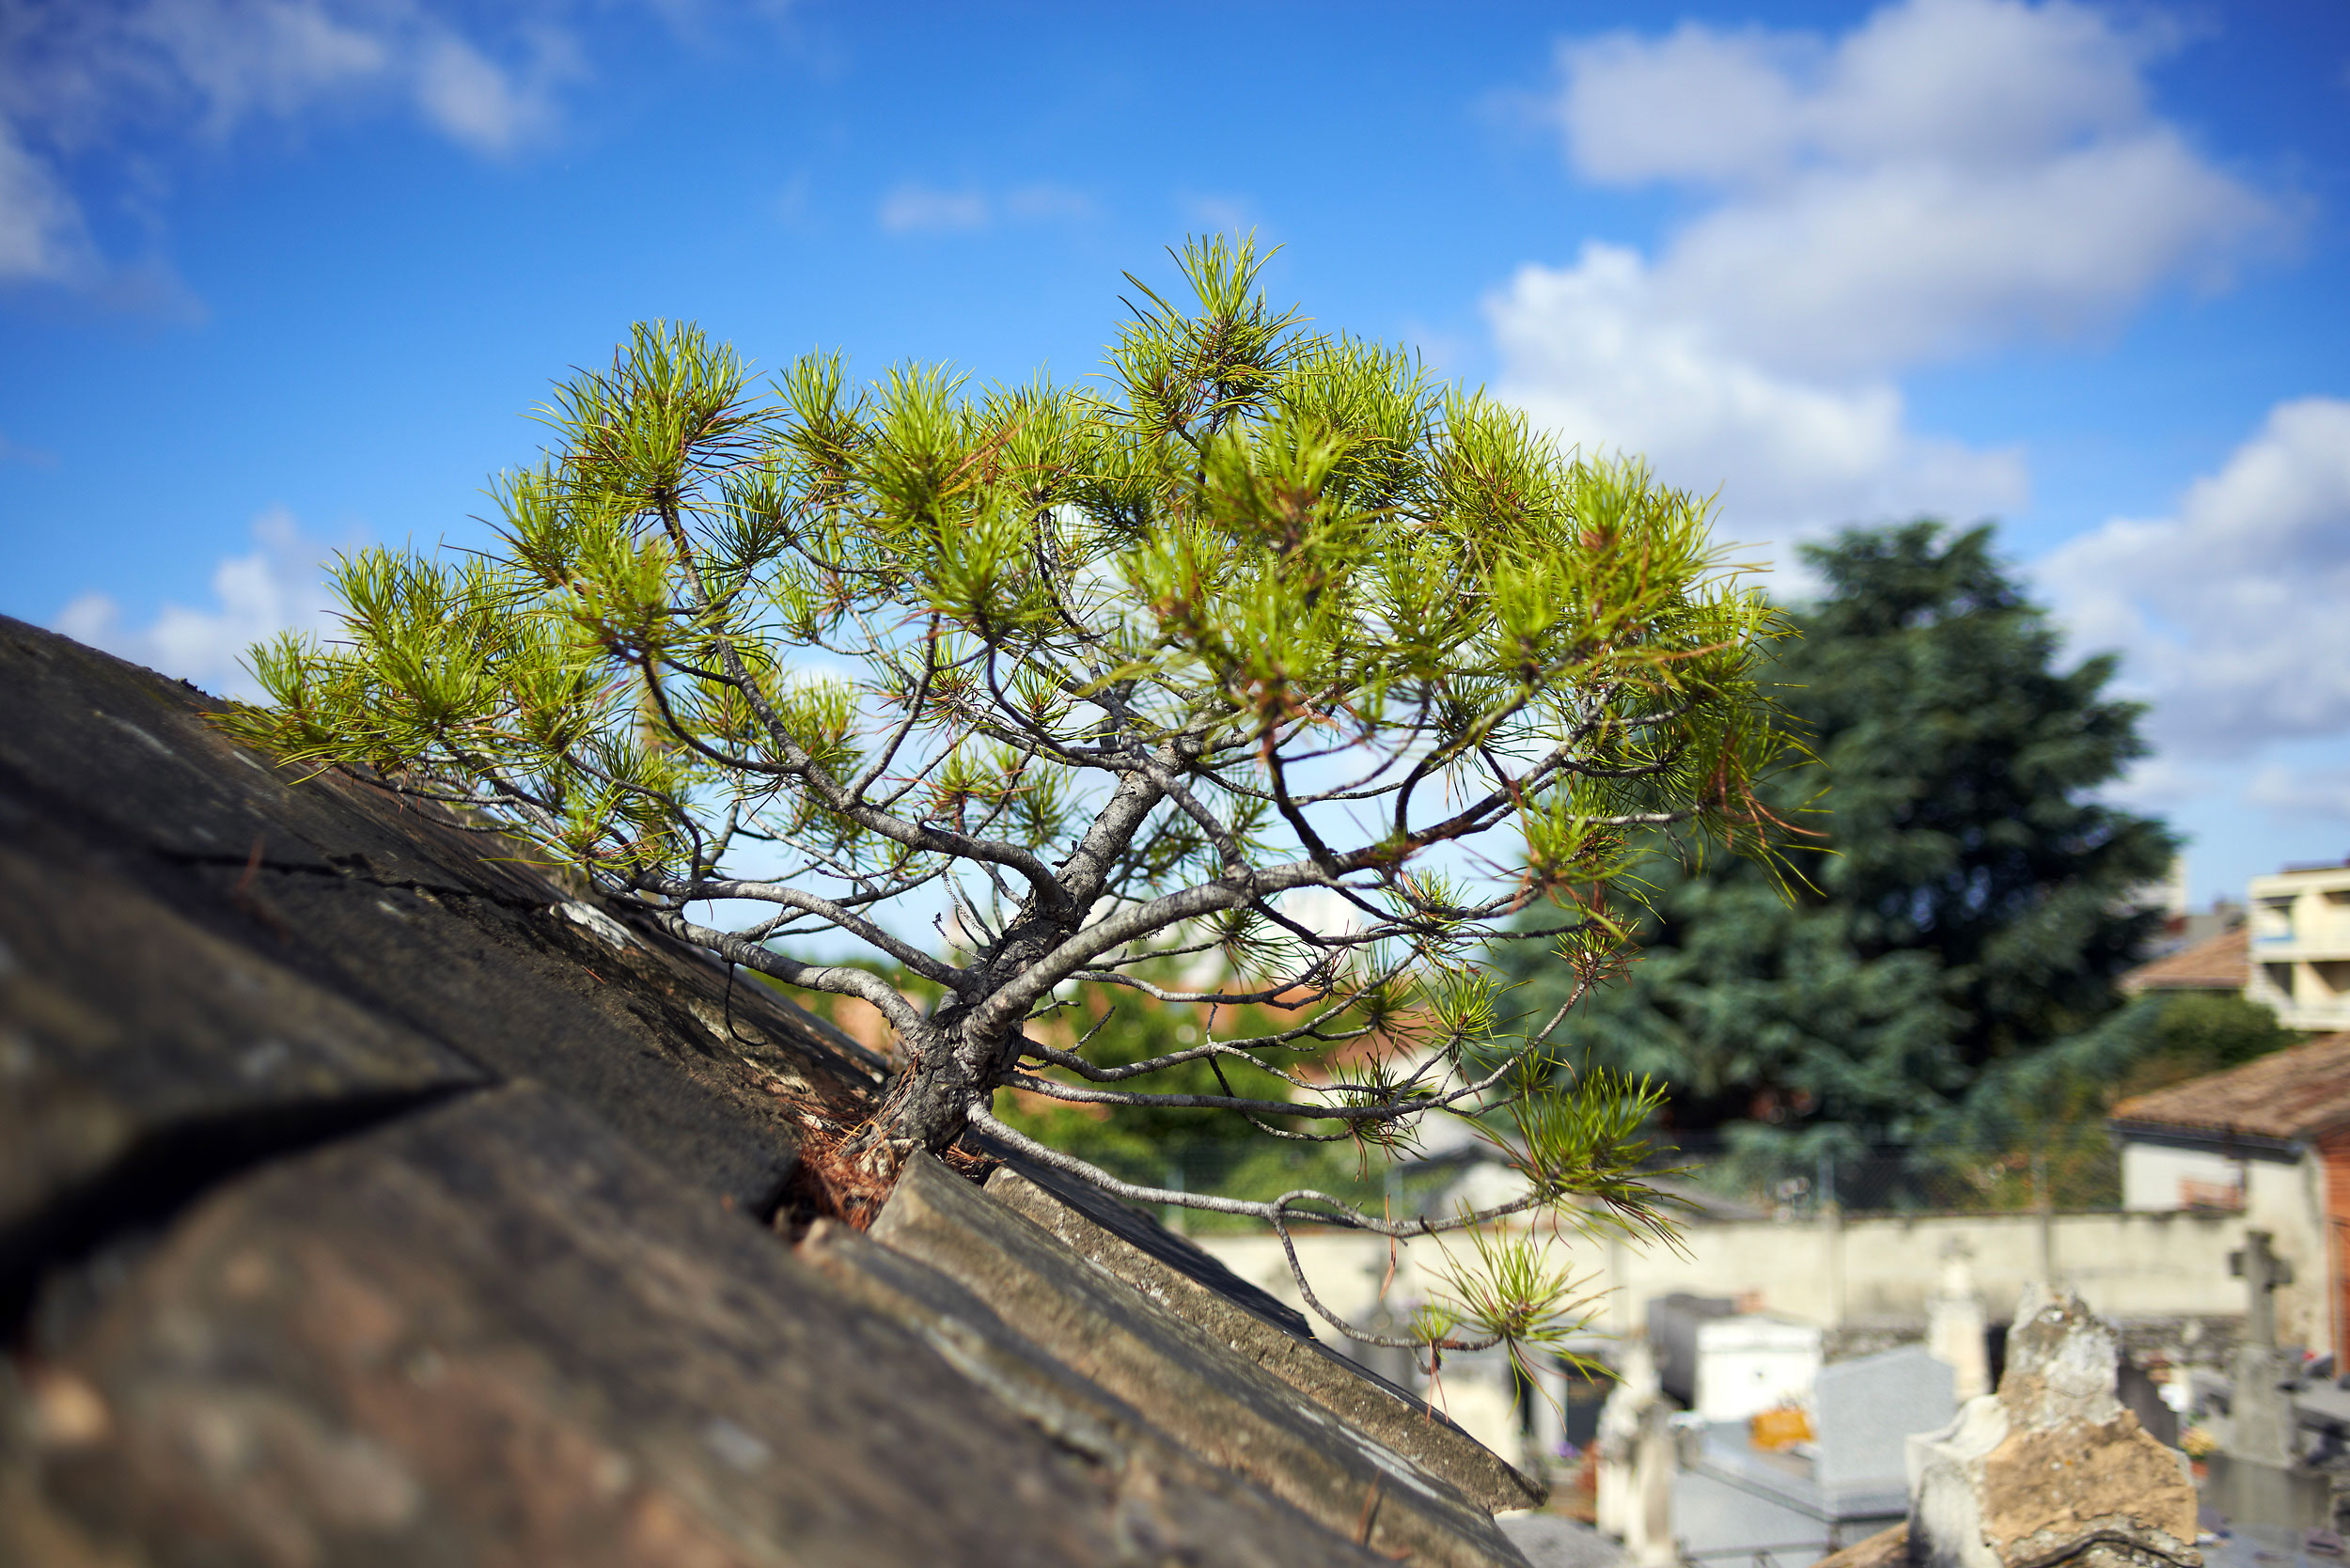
<point>2152,1043</point>
<point>1972,902</point>
<point>2035,1125</point>
<point>1099,679</point>
<point>2194,1032</point>
<point>1141,1139</point>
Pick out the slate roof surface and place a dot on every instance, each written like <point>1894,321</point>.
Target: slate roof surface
<point>2217,963</point>
<point>365,1196</point>
<point>2295,1094</point>
<point>1170,1270</point>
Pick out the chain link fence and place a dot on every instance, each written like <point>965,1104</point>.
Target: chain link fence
<point>2074,1169</point>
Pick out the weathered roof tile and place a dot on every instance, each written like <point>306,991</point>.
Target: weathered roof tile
<point>2295,1094</point>
<point>2218,962</point>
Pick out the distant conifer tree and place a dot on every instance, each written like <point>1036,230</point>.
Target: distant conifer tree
<point>1973,904</point>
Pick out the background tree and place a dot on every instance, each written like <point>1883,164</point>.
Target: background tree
<point>2147,1045</point>
<point>1971,904</point>
<point>1104,677</point>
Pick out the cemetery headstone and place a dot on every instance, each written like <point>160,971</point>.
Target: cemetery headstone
<point>1672,1333</point>
<point>2052,1469</point>
<point>1649,1540</point>
<point>2257,1477</point>
<point>1637,1389</point>
<point>2260,1407</point>
<point>1864,1413</point>
<point>1954,1324</point>
<point>2143,1395</point>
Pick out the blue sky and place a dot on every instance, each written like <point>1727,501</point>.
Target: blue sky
<point>279,276</point>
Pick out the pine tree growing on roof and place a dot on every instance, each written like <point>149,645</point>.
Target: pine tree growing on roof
<point>1109,678</point>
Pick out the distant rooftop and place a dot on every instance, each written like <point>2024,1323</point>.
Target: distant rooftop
<point>2291,1095</point>
<point>2217,963</point>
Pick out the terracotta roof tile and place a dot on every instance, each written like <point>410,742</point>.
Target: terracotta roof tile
<point>2218,962</point>
<point>2295,1094</point>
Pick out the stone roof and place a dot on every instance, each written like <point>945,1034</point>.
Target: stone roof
<point>364,1195</point>
<point>2291,1095</point>
<point>2218,962</point>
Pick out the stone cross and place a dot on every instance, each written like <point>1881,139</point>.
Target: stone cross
<point>2263,1430</point>
<point>2261,1272</point>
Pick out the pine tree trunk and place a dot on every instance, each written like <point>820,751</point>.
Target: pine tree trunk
<point>924,1109</point>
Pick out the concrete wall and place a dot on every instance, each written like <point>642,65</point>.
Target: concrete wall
<point>1859,1271</point>
<point>2124,1265</point>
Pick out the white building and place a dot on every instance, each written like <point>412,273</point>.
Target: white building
<point>2299,926</point>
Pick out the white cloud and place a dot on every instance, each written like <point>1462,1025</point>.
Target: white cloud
<point>2309,792</point>
<point>1901,264</point>
<point>1983,81</point>
<point>280,585</point>
<point>1947,178</point>
<point>471,100</point>
<point>1590,352</point>
<point>2229,615</point>
<point>41,231</point>
<point>915,207</point>
<point>1220,214</point>
<point>2162,783</point>
<point>232,63</point>
<point>793,204</point>
<point>77,82</point>
<point>1047,202</point>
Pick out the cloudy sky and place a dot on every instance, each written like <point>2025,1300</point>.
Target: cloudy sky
<point>279,276</point>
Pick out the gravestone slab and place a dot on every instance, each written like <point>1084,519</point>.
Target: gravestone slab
<point>1200,1392</point>
<point>1864,1413</point>
<point>2286,1499</point>
<point>2137,1389</point>
<point>495,1332</point>
<point>1213,1505</point>
<point>1550,1540</point>
<point>1672,1334</point>
<point>1197,1288</point>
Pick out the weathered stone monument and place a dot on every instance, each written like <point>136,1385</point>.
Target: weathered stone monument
<point>2052,1469</point>
<point>2257,1477</point>
<point>2260,1403</point>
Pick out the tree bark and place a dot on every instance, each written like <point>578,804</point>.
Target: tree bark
<point>927,1104</point>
